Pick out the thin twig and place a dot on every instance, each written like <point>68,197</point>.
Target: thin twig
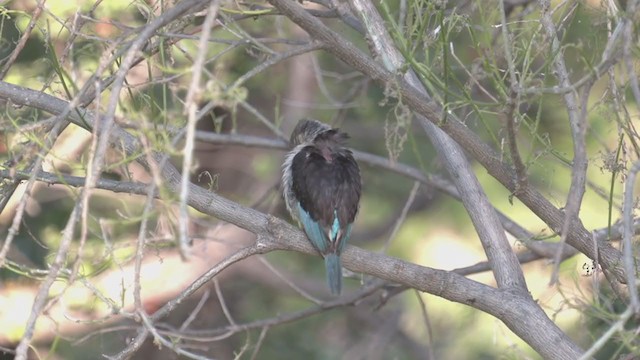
<point>342,301</point>
<point>403,215</point>
<point>23,39</point>
<point>140,246</point>
<point>627,243</point>
<point>223,303</point>
<point>256,349</point>
<point>290,283</point>
<point>627,48</point>
<point>157,338</point>
<point>273,60</point>
<point>602,340</point>
<point>194,313</point>
<point>191,108</point>
<point>239,255</point>
<point>427,322</point>
<point>578,133</point>
<point>43,292</point>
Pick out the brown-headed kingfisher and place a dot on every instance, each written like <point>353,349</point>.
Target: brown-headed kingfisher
<point>322,186</point>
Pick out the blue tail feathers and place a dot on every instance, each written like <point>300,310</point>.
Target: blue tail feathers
<point>334,273</point>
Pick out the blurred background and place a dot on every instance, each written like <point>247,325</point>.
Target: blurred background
<point>458,46</point>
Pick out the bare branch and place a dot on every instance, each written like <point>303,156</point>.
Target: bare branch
<point>627,249</point>
<point>578,132</point>
<point>578,236</point>
<point>602,340</point>
<point>191,108</point>
<point>507,306</point>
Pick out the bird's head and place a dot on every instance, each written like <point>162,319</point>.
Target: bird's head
<point>320,135</point>
<point>306,132</point>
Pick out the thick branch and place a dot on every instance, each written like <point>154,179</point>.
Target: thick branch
<point>578,236</point>
<point>275,234</point>
<point>504,263</point>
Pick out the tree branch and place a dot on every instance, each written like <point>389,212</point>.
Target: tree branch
<point>578,132</point>
<point>275,234</point>
<point>577,236</point>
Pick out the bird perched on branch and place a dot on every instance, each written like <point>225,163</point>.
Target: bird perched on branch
<point>321,182</point>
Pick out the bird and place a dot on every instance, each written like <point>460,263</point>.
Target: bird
<point>322,187</point>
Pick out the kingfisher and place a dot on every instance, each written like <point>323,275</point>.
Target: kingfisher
<point>322,186</point>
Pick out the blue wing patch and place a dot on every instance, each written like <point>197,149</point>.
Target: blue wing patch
<point>345,237</point>
<point>320,241</point>
<point>314,231</point>
<point>341,236</point>
<point>335,227</point>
